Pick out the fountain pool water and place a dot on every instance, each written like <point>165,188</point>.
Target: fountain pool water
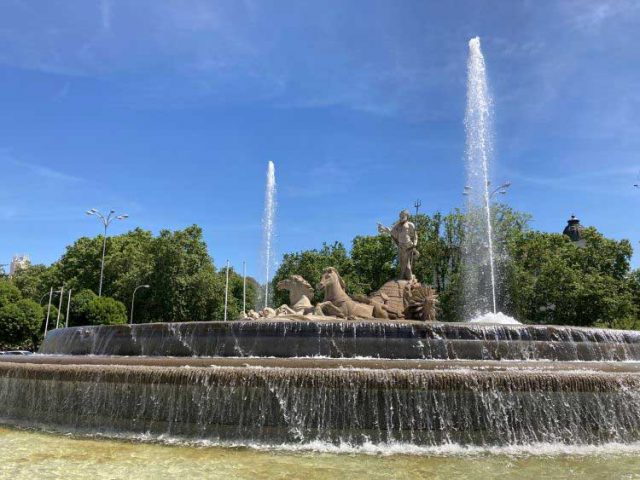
<point>27,455</point>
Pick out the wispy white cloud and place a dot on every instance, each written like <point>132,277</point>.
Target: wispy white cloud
<point>43,172</point>
<point>609,181</point>
<point>321,180</point>
<point>591,15</point>
<point>105,14</point>
<point>62,93</point>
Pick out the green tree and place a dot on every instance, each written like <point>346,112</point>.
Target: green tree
<point>20,323</point>
<point>9,293</point>
<point>551,280</point>
<point>35,281</point>
<point>106,311</point>
<point>310,265</point>
<point>78,314</point>
<point>374,261</point>
<point>184,286</point>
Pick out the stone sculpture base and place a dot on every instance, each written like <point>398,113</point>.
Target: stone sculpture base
<point>392,295</point>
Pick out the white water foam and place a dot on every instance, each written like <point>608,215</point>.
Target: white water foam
<point>499,318</point>
<point>395,448</point>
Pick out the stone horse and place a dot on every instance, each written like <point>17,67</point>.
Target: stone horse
<point>337,303</point>
<point>300,294</point>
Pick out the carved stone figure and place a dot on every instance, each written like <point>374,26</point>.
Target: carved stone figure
<point>396,299</point>
<point>300,293</point>
<point>337,303</point>
<point>405,237</point>
<point>422,303</point>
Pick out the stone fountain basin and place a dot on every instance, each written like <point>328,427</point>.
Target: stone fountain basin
<point>333,338</point>
<point>298,400</point>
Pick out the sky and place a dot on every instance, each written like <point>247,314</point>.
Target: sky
<point>170,111</point>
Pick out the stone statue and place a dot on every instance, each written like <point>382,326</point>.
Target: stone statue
<point>405,237</point>
<point>300,293</point>
<point>337,303</point>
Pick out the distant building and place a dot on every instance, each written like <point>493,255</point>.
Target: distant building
<point>19,262</point>
<point>574,231</point>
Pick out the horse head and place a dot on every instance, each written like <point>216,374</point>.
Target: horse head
<point>298,288</point>
<point>332,284</point>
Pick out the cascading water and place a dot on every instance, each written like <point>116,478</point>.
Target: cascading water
<point>480,276</point>
<point>268,228</point>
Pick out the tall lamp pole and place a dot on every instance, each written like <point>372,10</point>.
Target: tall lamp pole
<point>46,324</point>
<point>106,221</point>
<point>226,292</point>
<point>60,306</point>
<point>66,321</point>
<point>244,288</point>
<point>133,299</point>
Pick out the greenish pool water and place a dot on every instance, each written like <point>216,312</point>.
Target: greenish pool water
<point>35,455</point>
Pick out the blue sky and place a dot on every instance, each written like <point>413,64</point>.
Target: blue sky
<point>170,111</point>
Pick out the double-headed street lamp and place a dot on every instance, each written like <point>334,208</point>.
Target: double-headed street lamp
<point>501,190</point>
<point>106,221</point>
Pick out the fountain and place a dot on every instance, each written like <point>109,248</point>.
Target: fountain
<point>480,275</point>
<point>268,228</point>
<point>345,371</point>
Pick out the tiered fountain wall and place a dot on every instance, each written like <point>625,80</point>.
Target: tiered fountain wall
<point>348,339</point>
<point>331,405</point>
<point>426,384</point>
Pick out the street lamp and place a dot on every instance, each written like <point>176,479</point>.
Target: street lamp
<point>106,221</point>
<point>42,297</point>
<point>133,299</point>
<point>501,190</point>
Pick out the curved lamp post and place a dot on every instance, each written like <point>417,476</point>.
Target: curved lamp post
<point>133,299</point>
<point>106,221</point>
<point>42,298</point>
<point>501,190</point>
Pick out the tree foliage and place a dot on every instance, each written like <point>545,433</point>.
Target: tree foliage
<point>184,283</point>
<point>554,281</point>
<point>106,311</point>
<point>547,279</point>
<point>20,323</point>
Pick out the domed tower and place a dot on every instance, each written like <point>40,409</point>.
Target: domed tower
<point>574,230</point>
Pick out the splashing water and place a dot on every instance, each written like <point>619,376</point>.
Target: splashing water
<point>268,228</point>
<point>480,272</point>
<point>499,318</point>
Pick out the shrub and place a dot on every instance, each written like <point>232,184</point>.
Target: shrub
<point>79,307</point>
<point>9,293</point>
<point>106,311</point>
<point>20,322</point>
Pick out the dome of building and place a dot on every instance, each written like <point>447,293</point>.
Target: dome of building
<point>574,230</point>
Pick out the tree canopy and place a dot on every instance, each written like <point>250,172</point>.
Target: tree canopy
<point>547,279</point>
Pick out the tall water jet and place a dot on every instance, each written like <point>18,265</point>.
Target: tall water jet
<point>479,262</point>
<point>268,228</point>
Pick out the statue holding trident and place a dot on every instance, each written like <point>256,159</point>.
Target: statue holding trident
<point>405,237</point>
